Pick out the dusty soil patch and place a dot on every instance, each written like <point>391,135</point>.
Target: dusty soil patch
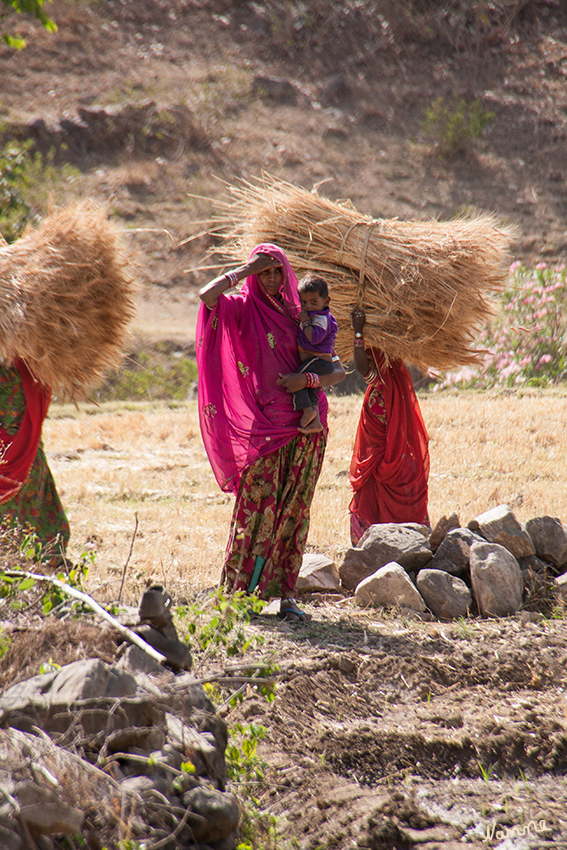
<point>389,733</point>
<point>392,733</point>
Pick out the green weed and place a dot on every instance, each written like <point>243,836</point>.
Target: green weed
<point>463,629</point>
<point>225,618</point>
<point>452,126</point>
<point>150,377</point>
<point>23,551</point>
<point>487,773</point>
<point>5,642</point>
<point>27,180</point>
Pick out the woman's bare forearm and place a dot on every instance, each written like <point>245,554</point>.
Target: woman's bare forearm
<point>294,381</point>
<point>210,293</point>
<point>361,363</point>
<point>335,377</point>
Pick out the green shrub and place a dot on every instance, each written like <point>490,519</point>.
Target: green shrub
<point>15,211</point>
<point>526,341</point>
<point>150,377</point>
<point>452,126</point>
<point>27,181</point>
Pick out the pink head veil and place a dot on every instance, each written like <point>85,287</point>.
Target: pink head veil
<point>244,343</point>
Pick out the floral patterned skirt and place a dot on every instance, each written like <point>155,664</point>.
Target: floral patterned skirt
<point>270,520</point>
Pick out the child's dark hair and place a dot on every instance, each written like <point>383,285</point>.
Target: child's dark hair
<point>313,283</point>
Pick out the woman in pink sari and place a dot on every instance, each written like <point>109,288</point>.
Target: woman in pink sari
<point>247,358</point>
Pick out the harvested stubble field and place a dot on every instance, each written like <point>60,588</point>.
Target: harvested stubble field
<point>121,459</point>
<point>385,732</point>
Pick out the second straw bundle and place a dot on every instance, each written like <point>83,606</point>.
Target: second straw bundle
<point>425,286</point>
<point>66,298</point>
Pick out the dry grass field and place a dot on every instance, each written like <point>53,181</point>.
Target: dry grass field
<point>121,461</point>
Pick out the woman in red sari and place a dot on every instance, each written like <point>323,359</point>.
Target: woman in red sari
<point>389,469</point>
<point>247,359</point>
<point>28,495</point>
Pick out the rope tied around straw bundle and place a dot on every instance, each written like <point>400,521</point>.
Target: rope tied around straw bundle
<point>370,224</point>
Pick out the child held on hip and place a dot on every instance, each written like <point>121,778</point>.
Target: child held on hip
<point>316,345</point>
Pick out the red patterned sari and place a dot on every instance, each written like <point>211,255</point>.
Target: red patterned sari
<point>28,495</point>
<point>389,469</point>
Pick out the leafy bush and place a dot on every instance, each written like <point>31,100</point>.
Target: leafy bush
<point>29,7</point>
<point>222,620</point>
<point>27,181</point>
<point>15,211</point>
<point>526,342</point>
<point>149,376</point>
<point>454,125</point>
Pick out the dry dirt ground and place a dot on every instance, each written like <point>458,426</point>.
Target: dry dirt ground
<point>385,733</point>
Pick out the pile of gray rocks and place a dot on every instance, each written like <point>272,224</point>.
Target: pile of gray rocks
<point>113,755</point>
<point>492,567</point>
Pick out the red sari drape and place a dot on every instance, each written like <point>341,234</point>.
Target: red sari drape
<point>389,469</point>
<point>18,450</point>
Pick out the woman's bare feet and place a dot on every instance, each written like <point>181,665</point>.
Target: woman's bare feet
<point>313,427</point>
<point>309,414</point>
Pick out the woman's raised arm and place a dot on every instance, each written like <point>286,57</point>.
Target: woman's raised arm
<point>210,293</point>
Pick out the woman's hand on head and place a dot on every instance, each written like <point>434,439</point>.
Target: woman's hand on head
<point>259,263</point>
<point>358,319</point>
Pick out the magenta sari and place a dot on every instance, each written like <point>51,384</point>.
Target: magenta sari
<point>250,430</point>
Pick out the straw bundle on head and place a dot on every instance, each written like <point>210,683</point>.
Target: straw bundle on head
<point>425,286</point>
<point>66,298</point>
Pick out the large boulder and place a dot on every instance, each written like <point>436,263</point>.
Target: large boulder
<point>406,544</point>
<point>549,536</point>
<point>499,525</point>
<point>219,813</point>
<point>453,554</point>
<point>390,586</point>
<point>496,579</point>
<point>442,526</point>
<point>318,573</point>
<point>446,596</point>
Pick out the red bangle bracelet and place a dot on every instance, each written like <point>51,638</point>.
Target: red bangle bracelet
<point>312,380</point>
<point>358,343</point>
<point>232,277</point>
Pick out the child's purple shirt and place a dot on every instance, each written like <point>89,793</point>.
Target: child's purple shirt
<point>323,335</point>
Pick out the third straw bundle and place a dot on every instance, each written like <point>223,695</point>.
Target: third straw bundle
<point>425,286</point>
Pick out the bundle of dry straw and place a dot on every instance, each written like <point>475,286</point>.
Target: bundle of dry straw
<point>66,298</point>
<point>425,286</point>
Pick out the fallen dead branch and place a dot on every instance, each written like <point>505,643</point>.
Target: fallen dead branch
<point>94,606</point>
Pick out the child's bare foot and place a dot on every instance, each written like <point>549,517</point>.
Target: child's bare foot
<point>309,414</point>
<point>312,427</point>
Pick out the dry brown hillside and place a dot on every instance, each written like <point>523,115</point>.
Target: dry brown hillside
<point>203,92</point>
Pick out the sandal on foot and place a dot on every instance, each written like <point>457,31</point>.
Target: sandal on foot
<point>292,614</point>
